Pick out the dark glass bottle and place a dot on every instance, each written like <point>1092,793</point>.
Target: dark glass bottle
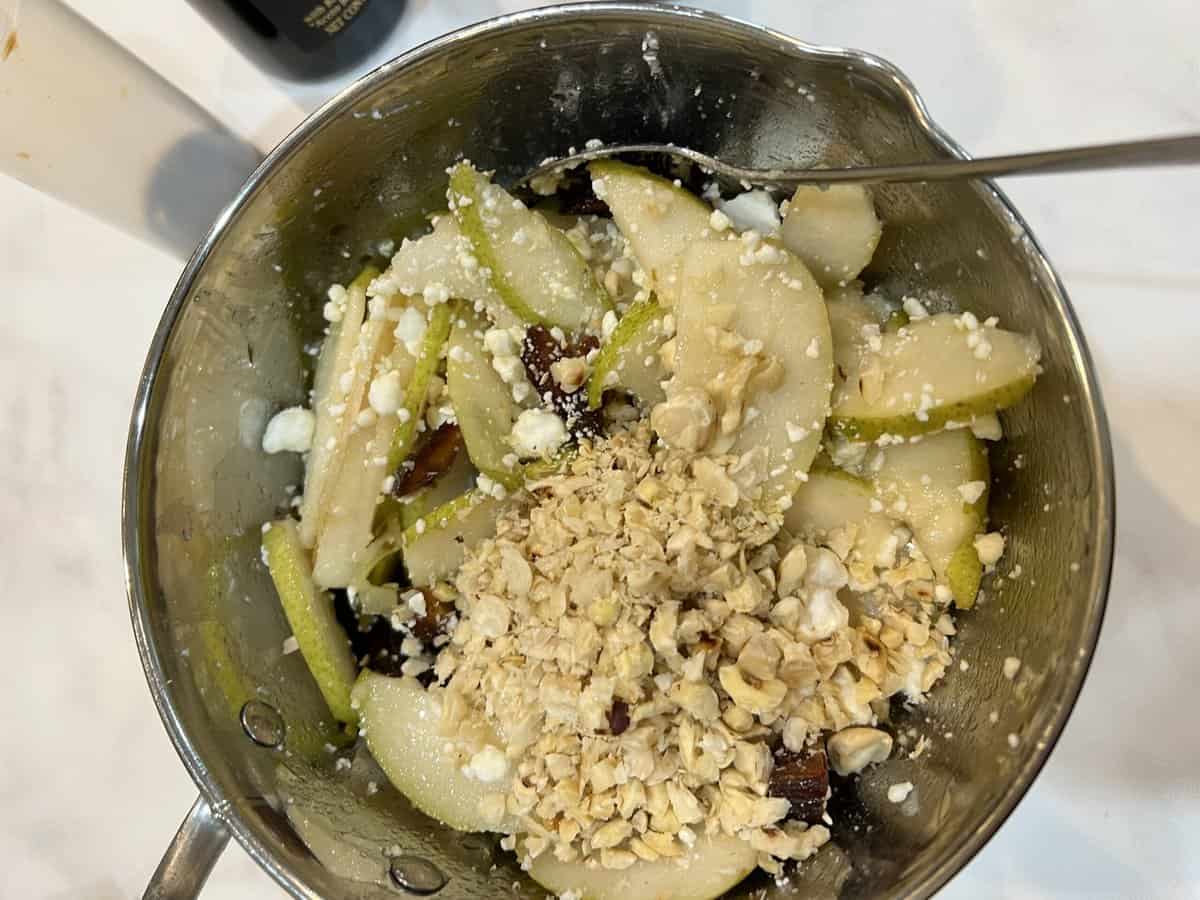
<point>303,40</point>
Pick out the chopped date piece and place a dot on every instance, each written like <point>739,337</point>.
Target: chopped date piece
<point>618,717</point>
<point>433,623</point>
<point>539,351</point>
<point>803,779</point>
<point>433,458</point>
<point>575,196</point>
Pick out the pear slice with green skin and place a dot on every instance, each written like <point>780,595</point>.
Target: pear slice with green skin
<point>323,643</point>
<point>833,498</point>
<point>416,392</point>
<point>435,266</point>
<point>482,402</point>
<point>629,358</point>
<point>777,304</point>
<point>919,482</point>
<point>435,546</point>
<point>833,229</point>
<point>401,722</point>
<point>932,358</point>
<point>659,220</point>
<point>341,358</point>
<point>712,866</point>
<point>532,266</point>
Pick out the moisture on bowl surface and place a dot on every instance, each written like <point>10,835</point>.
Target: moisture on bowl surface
<point>629,512</point>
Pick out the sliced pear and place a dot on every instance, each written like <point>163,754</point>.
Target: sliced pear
<point>774,302</point>
<point>629,358</point>
<point>833,229</point>
<point>932,372</point>
<point>939,487</point>
<point>483,403</point>
<point>338,383</point>
<point>346,526</point>
<point>435,546</point>
<point>532,265</point>
<point>436,266</point>
<point>833,499</point>
<point>404,435</point>
<point>323,643</point>
<point>659,219</point>
<point>710,868</point>
<point>401,722</point>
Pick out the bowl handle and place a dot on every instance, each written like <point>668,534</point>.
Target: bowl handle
<point>190,857</point>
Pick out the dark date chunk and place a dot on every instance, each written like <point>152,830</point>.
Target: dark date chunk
<point>803,779</point>
<point>433,458</point>
<point>539,351</point>
<point>618,717</point>
<point>433,623</point>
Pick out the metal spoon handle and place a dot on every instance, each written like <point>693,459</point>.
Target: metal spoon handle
<point>1122,155</point>
<point>1126,154</point>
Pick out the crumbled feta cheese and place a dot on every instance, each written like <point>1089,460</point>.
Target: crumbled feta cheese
<point>915,308</point>
<point>813,350</point>
<point>336,307</point>
<point>386,393</point>
<point>719,222</point>
<point>796,433</point>
<point>990,547</point>
<point>290,429</point>
<point>416,599</point>
<point>898,793</point>
<point>489,765</point>
<point>1012,665</point>
<point>488,486</point>
<point>410,329</point>
<point>752,210</point>
<point>987,428</point>
<point>608,324</point>
<point>290,644</point>
<point>971,491</point>
<point>538,433</point>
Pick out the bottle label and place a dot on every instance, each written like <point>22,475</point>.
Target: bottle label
<point>313,24</point>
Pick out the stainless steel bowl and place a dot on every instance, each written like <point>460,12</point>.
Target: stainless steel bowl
<point>369,165</point>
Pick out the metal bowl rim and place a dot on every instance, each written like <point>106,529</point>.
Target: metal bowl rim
<point>135,488</point>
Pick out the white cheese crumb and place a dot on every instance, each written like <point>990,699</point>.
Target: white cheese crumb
<point>990,547</point>
<point>491,487</point>
<point>719,222</point>
<point>814,349</point>
<point>1013,741</point>
<point>290,644</point>
<point>608,324</point>
<point>416,599</point>
<point>752,210</point>
<point>898,793</point>
<point>1012,665</point>
<point>537,433</point>
<point>410,329</point>
<point>971,491</point>
<point>290,429</point>
<point>386,393</point>
<point>915,308</point>
<point>489,765</point>
<point>987,428</point>
<point>796,433</point>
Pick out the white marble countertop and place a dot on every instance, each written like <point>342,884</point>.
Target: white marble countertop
<point>90,788</point>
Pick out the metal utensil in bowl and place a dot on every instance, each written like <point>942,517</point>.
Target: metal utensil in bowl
<point>247,719</point>
<point>1167,151</point>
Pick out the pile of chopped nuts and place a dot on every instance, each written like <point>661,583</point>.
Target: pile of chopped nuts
<point>642,639</point>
